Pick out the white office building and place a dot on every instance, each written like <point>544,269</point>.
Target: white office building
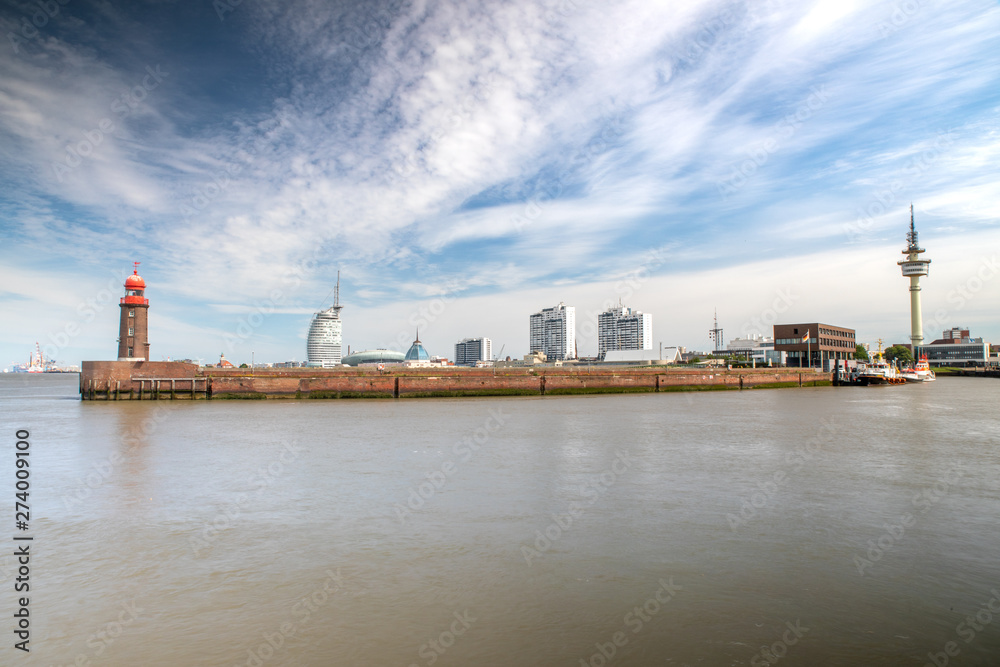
<point>664,355</point>
<point>469,351</point>
<point>622,328</point>
<point>553,331</point>
<point>756,348</point>
<point>956,347</point>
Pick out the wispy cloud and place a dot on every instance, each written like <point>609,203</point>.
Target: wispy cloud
<point>527,148</point>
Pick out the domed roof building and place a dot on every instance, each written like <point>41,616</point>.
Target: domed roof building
<point>373,357</point>
<point>417,351</point>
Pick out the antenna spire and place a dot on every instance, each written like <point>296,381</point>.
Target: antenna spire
<point>336,292</point>
<point>911,236</point>
<point>715,333</point>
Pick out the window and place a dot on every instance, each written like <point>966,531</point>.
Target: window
<point>131,331</point>
<point>131,313</point>
<point>130,352</point>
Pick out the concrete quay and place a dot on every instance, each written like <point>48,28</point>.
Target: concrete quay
<point>152,380</point>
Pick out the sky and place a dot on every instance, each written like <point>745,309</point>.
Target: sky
<point>465,164</point>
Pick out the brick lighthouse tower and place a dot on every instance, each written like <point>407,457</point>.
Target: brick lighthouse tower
<point>133,331</point>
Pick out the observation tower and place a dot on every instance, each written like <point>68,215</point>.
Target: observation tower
<point>133,329</point>
<point>913,267</point>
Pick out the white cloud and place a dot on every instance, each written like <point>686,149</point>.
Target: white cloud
<point>389,123</point>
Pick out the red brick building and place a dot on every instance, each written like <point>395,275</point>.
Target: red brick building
<point>824,344</point>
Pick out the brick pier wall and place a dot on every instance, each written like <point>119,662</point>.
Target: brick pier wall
<point>122,380</point>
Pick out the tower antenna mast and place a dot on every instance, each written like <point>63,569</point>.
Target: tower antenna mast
<point>715,333</point>
<point>335,291</point>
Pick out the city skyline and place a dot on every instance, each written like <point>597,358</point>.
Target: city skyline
<point>467,165</point>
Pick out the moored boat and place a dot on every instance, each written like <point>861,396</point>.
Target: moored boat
<point>877,371</point>
<point>919,372</point>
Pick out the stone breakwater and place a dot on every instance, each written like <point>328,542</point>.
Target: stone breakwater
<point>125,380</point>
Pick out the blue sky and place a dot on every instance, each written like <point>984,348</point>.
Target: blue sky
<point>466,164</point>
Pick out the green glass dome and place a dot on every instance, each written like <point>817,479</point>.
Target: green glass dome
<point>417,352</point>
<point>373,356</point>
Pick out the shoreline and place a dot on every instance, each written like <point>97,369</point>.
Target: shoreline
<point>125,380</point>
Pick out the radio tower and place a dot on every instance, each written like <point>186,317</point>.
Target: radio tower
<point>715,334</point>
<point>913,267</point>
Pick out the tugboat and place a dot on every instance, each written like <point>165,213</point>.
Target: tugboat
<point>920,372</point>
<point>878,371</point>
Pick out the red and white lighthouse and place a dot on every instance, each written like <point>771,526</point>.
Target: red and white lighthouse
<point>133,331</point>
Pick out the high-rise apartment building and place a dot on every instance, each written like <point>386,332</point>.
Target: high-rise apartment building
<point>621,328</point>
<point>553,331</point>
<point>470,350</point>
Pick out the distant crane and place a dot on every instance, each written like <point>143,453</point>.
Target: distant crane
<point>498,358</point>
<point>36,363</point>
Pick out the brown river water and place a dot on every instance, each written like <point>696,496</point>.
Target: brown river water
<point>818,526</point>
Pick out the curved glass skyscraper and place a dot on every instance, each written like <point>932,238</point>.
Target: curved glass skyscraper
<point>325,342</point>
<point>325,338</point>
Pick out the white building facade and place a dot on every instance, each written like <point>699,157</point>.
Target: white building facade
<point>666,355</point>
<point>325,342</point>
<point>469,351</point>
<point>759,349</point>
<point>956,347</point>
<point>553,331</point>
<point>622,328</point>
